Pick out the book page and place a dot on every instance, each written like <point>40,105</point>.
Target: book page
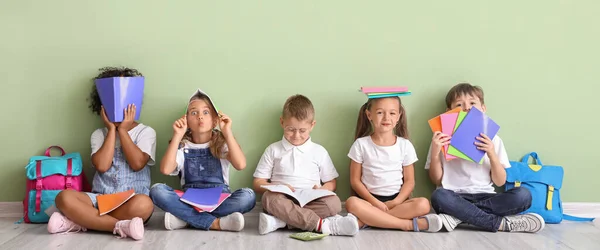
<point>304,196</point>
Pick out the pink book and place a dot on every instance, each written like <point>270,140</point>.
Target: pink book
<point>209,209</point>
<point>448,123</point>
<point>367,90</point>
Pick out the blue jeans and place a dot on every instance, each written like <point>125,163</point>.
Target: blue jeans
<point>242,200</point>
<point>481,210</point>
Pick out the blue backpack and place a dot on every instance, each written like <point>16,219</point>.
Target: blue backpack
<point>544,182</point>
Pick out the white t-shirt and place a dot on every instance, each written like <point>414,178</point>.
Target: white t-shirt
<point>143,136</point>
<point>382,166</point>
<point>180,159</point>
<point>462,176</point>
<point>301,166</point>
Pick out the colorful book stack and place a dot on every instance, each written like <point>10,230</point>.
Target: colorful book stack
<point>381,92</point>
<point>464,128</point>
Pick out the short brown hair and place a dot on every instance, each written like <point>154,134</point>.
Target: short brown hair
<point>463,89</point>
<point>299,107</point>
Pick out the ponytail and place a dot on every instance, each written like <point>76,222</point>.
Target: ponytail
<point>363,125</point>
<point>402,125</point>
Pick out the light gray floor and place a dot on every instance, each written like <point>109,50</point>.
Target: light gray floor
<point>567,235</point>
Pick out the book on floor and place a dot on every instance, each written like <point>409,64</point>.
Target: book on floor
<point>109,202</point>
<point>307,236</point>
<point>302,196</point>
<point>203,199</point>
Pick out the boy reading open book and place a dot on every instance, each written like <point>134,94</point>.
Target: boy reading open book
<point>301,165</point>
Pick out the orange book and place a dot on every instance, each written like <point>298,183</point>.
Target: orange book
<point>109,202</point>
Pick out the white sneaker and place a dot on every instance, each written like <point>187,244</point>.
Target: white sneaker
<point>434,221</point>
<point>233,222</point>
<point>450,222</point>
<point>338,225</point>
<point>531,223</point>
<point>268,223</point>
<point>172,222</point>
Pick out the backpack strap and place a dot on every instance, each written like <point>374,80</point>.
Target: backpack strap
<point>38,186</point>
<point>575,218</point>
<point>549,197</point>
<point>68,178</point>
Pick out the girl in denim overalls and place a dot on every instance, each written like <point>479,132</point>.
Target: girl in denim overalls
<point>201,155</point>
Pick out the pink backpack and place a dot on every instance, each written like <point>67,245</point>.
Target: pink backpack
<point>46,177</point>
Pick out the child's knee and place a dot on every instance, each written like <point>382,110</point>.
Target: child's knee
<point>248,198</point>
<point>63,198</point>
<point>158,190</point>
<point>334,204</point>
<point>352,203</point>
<point>422,205</point>
<point>522,196</point>
<point>440,195</point>
<point>142,206</point>
<point>271,200</point>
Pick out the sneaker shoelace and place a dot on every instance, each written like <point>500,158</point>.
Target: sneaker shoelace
<point>118,229</point>
<point>518,224</point>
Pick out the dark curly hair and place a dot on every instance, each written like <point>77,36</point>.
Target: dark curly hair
<point>107,72</point>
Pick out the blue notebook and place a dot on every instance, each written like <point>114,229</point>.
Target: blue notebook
<point>202,197</point>
<point>465,136</point>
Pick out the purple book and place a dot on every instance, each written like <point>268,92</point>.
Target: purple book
<point>202,197</point>
<point>118,92</point>
<point>464,138</point>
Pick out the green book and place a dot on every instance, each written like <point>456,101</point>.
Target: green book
<point>307,236</point>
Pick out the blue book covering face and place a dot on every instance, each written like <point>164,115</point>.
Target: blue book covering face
<point>465,136</point>
<point>203,197</point>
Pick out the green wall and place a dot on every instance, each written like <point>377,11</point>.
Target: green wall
<point>536,60</point>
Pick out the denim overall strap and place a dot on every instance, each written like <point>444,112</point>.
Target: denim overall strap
<point>202,168</point>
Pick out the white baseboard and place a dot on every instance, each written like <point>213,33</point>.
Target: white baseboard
<point>11,209</point>
<point>581,209</point>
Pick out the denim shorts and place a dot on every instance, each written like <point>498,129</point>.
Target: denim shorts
<point>93,197</point>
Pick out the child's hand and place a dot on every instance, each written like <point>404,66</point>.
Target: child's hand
<point>225,124</point>
<point>438,141</point>
<point>381,206</point>
<point>109,125</point>
<point>127,123</point>
<point>390,204</point>
<point>318,187</point>
<point>180,127</point>
<point>290,186</point>
<point>485,144</point>
<point>281,183</point>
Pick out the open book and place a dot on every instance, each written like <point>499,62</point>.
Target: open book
<point>302,196</point>
<point>109,202</point>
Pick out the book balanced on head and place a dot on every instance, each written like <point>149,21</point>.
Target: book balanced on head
<point>302,196</point>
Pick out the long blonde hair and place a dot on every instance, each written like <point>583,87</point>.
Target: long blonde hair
<point>217,140</point>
